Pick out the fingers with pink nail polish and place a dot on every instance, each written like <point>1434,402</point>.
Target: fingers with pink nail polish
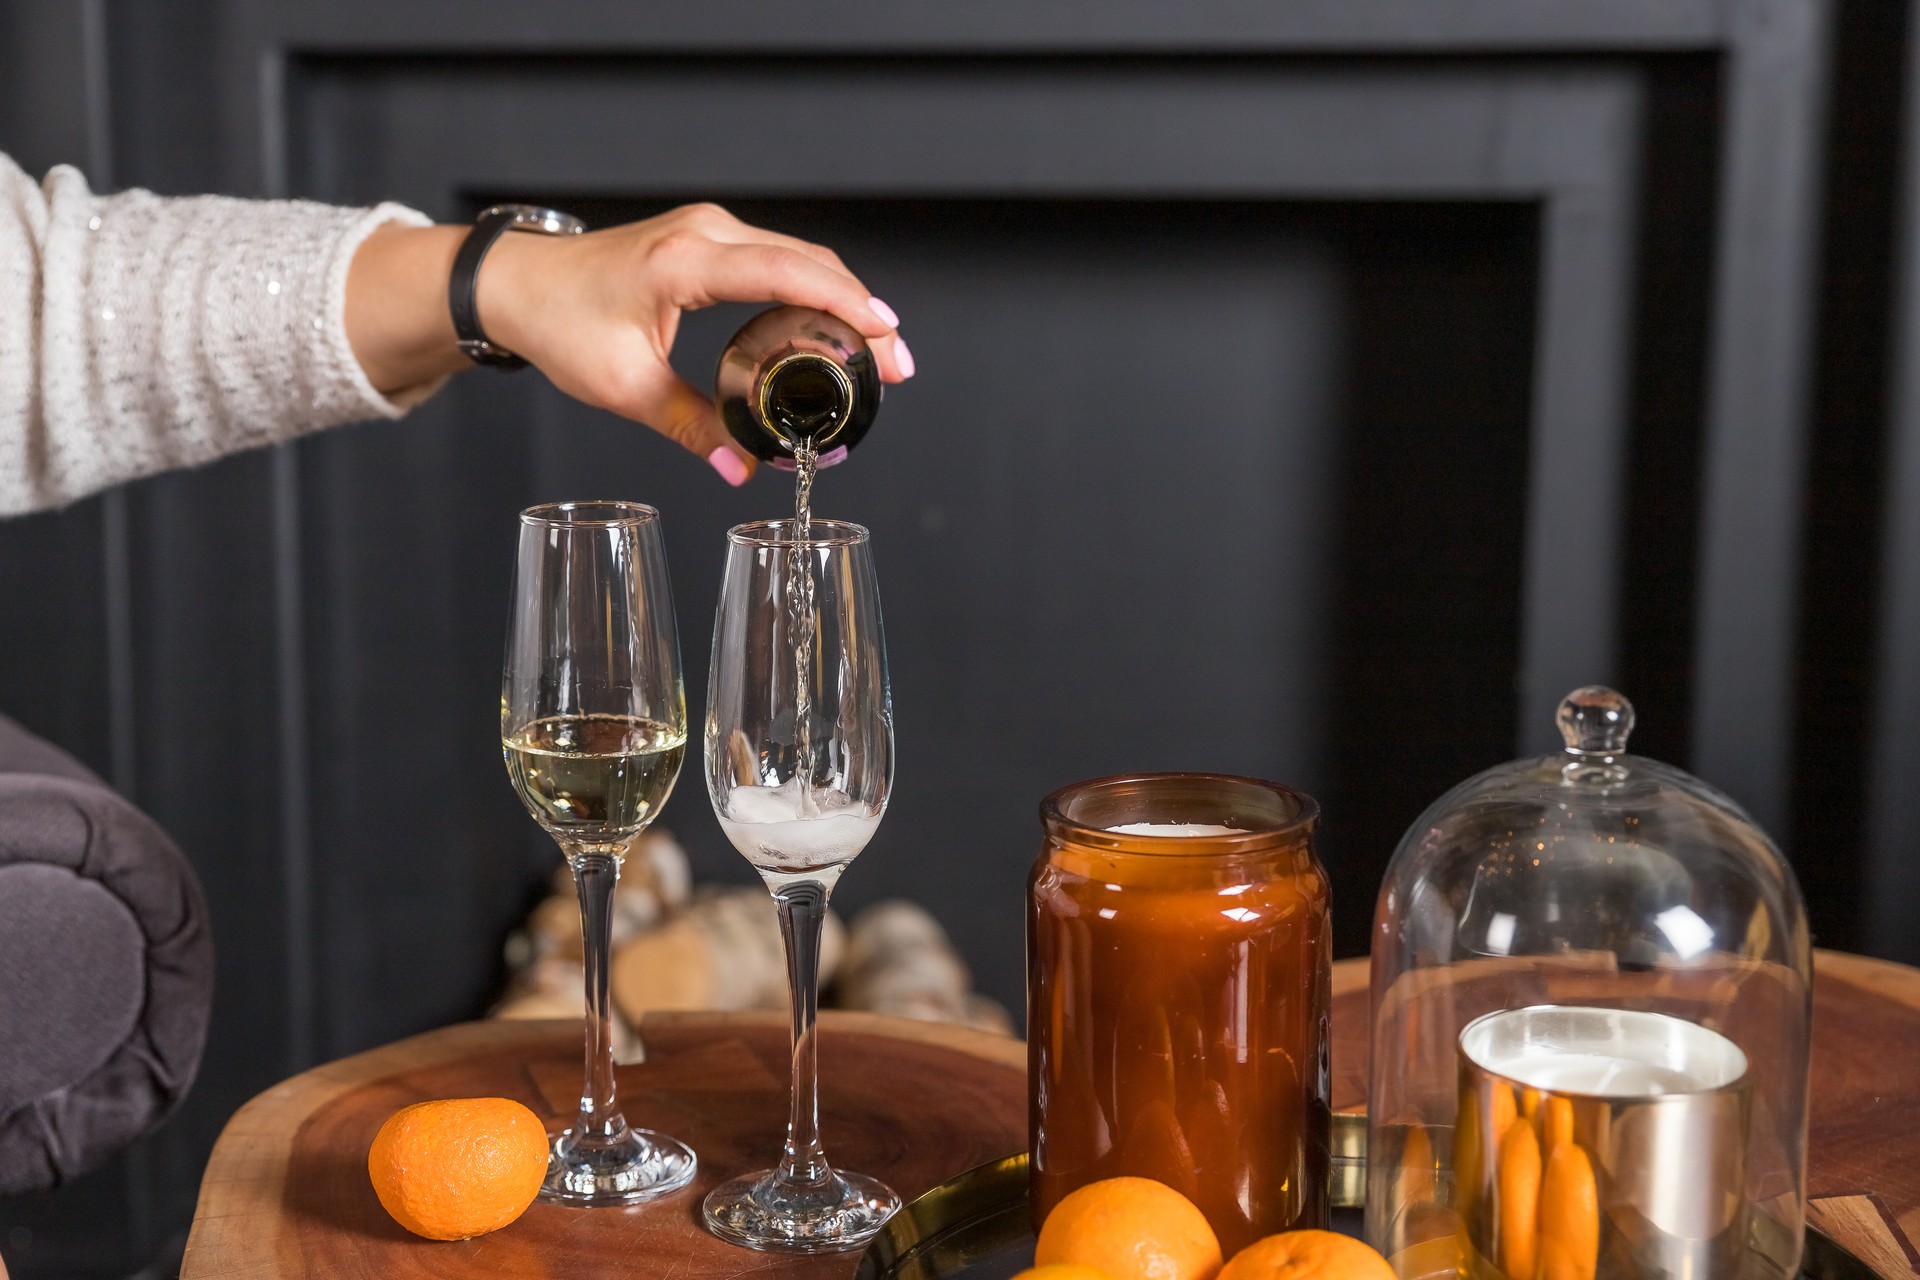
<point>902,358</point>
<point>729,465</point>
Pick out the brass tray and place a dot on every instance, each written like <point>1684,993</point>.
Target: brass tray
<point>976,1226</point>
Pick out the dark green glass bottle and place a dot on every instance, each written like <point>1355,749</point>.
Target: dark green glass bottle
<point>795,376</point>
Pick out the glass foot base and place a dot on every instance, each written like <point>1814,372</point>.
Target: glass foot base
<point>642,1165</point>
<point>761,1212</point>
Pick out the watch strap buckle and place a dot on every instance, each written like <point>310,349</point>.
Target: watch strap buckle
<point>463,283</point>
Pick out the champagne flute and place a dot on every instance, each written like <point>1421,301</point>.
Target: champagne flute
<point>799,746</point>
<point>593,724</point>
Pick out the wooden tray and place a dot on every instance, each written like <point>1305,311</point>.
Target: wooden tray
<point>977,1227</point>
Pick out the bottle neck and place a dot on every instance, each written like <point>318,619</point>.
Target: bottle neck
<point>794,376</point>
<point>805,399</point>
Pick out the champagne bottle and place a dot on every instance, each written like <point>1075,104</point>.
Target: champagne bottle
<point>795,377</point>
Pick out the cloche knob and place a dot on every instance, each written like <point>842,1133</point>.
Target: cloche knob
<point>1596,721</point>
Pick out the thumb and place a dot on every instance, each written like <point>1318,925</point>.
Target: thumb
<point>683,415</point>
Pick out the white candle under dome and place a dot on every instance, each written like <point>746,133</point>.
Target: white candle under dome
<point>1657,1104</point>
<point>1610,1053</point>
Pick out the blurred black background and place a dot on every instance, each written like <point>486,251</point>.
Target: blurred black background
<point>1315,395</point>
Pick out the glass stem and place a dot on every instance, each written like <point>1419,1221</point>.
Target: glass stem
<point>595,873</point>
<point>803,910</point>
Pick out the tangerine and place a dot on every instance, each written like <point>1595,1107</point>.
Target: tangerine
<point>1417,1168</point>
<point>1130,1229</point>
<point>1503,1112</point>
<point>458,1167</point>
<point>1519,1201</point>
<point>1062,1271</point>
<point>1307,1255</point>
<point>1569,1216</point>
<point>1556,1126</point>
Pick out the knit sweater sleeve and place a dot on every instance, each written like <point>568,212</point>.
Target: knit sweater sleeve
<point>139,333</point>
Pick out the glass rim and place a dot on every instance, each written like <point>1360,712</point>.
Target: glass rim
<point>769,533</point>
<point>1053,816</point>
<point>560,515</point>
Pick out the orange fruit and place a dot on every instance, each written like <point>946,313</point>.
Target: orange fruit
<point>1435,1256</point>
<point>1503,1112</point>
<point>1307,1255</point>
<point>1131,1229</point>
<point>459,1167</point>
<point>1556,1125</point>
<point>1062,1271</point>
<point>1415,1175</point>
<point>1467,1162</point>
<point>1519,1201</point>
<point>1569,1216</point>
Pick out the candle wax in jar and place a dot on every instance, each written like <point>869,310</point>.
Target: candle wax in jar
<point>1188,829</point>
<point>1594,1073</point>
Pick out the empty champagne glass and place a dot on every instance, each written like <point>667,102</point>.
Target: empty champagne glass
<point>799,746</point>
<point>593,722</point>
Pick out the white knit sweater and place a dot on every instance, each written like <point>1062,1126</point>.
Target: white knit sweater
<point>139,333</point>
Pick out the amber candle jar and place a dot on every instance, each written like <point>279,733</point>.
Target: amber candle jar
<point>1178,984</point>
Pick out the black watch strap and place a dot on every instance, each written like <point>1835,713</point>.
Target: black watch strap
<point>463,284</point>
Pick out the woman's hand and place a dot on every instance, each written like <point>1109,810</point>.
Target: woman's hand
<point>598,313</point>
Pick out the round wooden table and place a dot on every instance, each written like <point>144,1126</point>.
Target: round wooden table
<point>286,1193</point>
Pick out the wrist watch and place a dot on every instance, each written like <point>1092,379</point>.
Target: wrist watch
<point>464,282</point>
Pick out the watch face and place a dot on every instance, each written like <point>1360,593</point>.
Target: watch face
<point>533,217</point>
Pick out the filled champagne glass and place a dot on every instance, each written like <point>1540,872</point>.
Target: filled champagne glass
<point>593,724</point>
<point>799,748</point>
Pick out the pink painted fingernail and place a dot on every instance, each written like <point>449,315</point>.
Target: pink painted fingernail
<point>728,464</point>
<point>903,356</point>
<point>884,311</point>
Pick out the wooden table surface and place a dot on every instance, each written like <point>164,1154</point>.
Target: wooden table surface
<point>286,1194</point>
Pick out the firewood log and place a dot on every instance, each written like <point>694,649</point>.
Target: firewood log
<point>654,882</point>
<point>987,1014</point>
<point>555,987</point>
<point>900,961</point>
<point>722,952</point>
<point>552,987</point>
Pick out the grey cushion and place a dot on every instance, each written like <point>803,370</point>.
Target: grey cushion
<point>21,752</point>
<point>106,968</point>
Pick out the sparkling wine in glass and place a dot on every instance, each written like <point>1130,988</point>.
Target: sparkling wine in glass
<point>593,724</point>
<point>799,747</point>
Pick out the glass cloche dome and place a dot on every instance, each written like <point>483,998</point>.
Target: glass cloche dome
<point>1591,996</point>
